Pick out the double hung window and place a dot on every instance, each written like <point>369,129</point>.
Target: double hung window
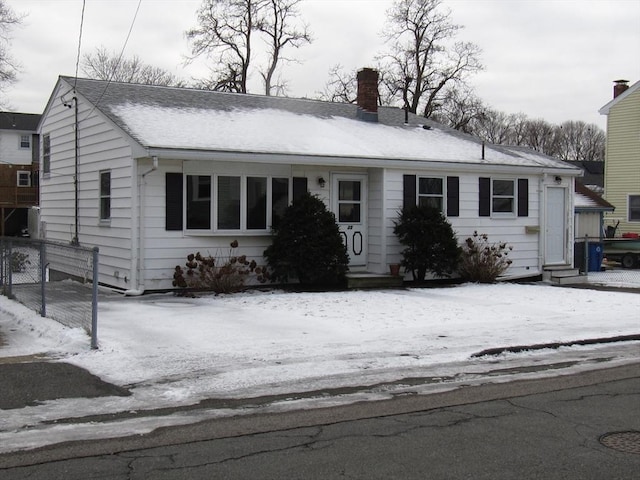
<point>24,178</point>
<point>105,195</point>
<point>431,192</point>
<point>46,153</point>
<point>503,196</point>
<point>634,208</point>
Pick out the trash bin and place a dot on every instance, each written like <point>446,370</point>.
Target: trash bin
<point>596,253</point>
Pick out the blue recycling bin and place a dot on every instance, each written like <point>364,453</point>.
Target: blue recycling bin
<point>596,254</point>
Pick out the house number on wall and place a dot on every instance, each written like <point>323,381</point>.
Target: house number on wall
<point>356,241</point>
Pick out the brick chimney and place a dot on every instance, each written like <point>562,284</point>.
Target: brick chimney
<point>367,99</point>
<point>620,87</point>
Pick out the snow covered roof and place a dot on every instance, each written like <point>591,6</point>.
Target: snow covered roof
<point>188,119</point>
<point>586,200</point>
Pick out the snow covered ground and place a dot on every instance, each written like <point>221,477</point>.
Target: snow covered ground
<point>177,351</point>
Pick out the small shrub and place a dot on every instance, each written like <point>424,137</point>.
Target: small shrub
<point>481,261</point>
<point>430,242</point>
<point>19,262</point>
<point>220,274</point>
<point>307,245</point>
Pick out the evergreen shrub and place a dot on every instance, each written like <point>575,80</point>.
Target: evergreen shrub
<point>429,240</point>
<point>307,245</point>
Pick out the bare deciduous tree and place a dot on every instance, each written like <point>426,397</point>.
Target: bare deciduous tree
<point>580,141</point>
<point>103,65</point>
<point>460,109</point>
<point>8,67</point>
<point>571,140</point>
<point>341,86</point>
<point>422,58</point>
<point>278,23</point>
<point>225,33</point>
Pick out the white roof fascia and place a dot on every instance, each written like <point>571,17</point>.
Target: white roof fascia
<point>136,148</point>
<point>329,161</point>
<point>605,110</point>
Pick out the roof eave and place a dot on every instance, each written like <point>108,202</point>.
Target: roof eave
<point>605,109</point>
<point>310,159</point>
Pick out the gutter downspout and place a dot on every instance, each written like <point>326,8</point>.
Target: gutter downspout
<point>138,225</point>
<point>76,239</point>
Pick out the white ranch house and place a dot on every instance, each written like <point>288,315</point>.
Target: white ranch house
<point>163,172</point>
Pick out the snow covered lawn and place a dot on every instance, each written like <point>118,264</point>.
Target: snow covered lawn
<point>185,349</point>
<point>171,351</point>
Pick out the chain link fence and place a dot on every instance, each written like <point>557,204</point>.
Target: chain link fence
<point>57,280</point>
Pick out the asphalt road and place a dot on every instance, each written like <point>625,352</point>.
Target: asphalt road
<point>582,426</point>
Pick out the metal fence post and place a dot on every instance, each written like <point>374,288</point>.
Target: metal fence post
<point>94,301</point>
<point>43,278</point>
<point>586,253</point>
<point>3,256</point>
<point>9,270</point>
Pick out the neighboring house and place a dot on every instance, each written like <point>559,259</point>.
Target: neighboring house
<point>593,174</point>
<point>19,164</point>
<point>589,213</point>
<point>622,157</point>
<point>589,227</point>
<point>164,172</point>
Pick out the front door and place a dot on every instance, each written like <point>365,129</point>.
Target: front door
<point>350,207</point>
<point>555,226</point>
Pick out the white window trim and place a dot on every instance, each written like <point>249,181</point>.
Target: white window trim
<point>443,195</point>
<point>46,155</point>
<point>243,230</point>
<point>514,212</point>
<point>23,173</point>
<point>28,141</point>
<point>629,208</point>
<point>105,220</point>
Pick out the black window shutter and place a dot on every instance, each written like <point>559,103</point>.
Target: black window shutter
<point>299,187</point>
<point>523,197</point>
<point>484,205</point>
<point>453,196</point>
<point>173,212</point>
<point>408,191</point>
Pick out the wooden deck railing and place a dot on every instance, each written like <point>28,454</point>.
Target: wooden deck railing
<point>18,196</point>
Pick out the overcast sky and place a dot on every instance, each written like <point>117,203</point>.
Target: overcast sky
<point>550,59</point>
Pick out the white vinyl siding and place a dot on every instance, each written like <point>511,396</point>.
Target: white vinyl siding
<point>525,254</point>
<point>101,144</point>
<point>11,150</point>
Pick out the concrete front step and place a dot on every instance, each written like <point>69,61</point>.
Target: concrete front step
<point>372,280</point>
<point>563,275</point>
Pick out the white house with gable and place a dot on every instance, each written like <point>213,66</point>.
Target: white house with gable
<point>164,172</point>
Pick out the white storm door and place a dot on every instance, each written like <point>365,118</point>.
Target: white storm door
<point>555,226</point>
<point>350,207</point>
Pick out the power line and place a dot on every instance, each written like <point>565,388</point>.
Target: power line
<point>79,43</point>
<point>133,21</point>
